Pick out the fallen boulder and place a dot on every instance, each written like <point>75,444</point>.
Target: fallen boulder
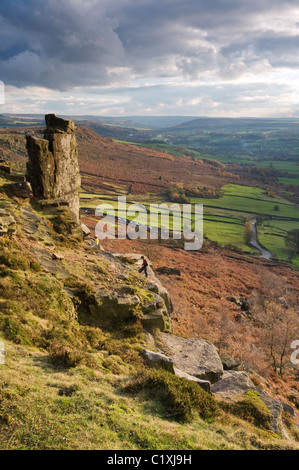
<point>123,302</point>
<point>196,357</point>
<point>85,230</point>
<point>229,362</point>
<point>233,383</point>
<point>204,384</point>
<point>157,360</point>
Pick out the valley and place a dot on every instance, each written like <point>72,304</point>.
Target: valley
<point>265,189</point>
<point>76,317</point>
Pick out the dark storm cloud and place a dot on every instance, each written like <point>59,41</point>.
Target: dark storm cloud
<point>60,44</point>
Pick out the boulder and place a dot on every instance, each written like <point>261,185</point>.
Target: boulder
<point>53,168</point>
<point>204,384</point>
<point>168,271</point>
<point>153,311</point>
<point>232,384</point>
<point>57,256</point>
<point>229,362</point>
<point>196,357</point>
<point>244,304</point>
<point>7,223</point>
<point>276,410</point>
<point>282,301</point>
<point>157,360</point>
<point>85,230</point>
<point>155,315</point>
<point>288,409</point>
<point>5,166</point>
<point>235,383</point>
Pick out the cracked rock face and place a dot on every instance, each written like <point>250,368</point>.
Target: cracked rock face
<point>53,168</point>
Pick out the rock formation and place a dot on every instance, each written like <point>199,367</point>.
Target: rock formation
<point>53,168</point>
<point>119,301</point>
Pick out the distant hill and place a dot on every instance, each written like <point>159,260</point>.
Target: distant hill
<point>20,121</point>
<point>143,169</point>
<point>105,162</point>
<point>237,124</point>
<point>138,122</point>
<point>134,122</point>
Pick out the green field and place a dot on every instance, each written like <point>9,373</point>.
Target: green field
<point>250,200</point>
<point>224,217</point>
<point>272,234</point>
<point>291,167</point>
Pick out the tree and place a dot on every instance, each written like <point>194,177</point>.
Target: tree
<point>280,328</point>
<point>292,240</point>
<point>247,232</point>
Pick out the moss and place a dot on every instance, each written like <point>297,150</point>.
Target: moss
<point>181,398</point>
<point>35,266</point>
<point>252,409</point>
<point>143,294</point>
<point>14,261</point>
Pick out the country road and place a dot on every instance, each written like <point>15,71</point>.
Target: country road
<point>254,241</point>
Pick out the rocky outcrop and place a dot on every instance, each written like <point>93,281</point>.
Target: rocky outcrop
<point>53,168</point>
<point>128,298</point>
<point>196,357</point>
<point>153,285</point>
<point>122,302</point>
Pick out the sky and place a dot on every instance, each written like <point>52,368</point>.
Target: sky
<point>213,58</point>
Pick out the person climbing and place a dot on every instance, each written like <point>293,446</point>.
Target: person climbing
<point>144,266</point>
<point>97,241</point>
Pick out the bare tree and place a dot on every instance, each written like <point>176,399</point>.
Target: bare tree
<point>280,329</point>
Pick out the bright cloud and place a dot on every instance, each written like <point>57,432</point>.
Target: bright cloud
<point>222,57</point>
